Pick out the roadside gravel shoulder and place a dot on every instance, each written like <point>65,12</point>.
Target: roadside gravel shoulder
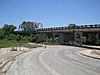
<point>7,57</point>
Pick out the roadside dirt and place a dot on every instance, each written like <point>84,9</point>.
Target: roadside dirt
<point>6,55</point>
<point>96,52</point>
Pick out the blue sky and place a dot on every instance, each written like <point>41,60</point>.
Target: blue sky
<point>50,12</point>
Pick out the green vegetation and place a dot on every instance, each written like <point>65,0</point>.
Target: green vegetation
<point>98,42</point>
<point>11,43</point>
<point>50,41</point>
<point>9,39</point>
<point>29,26</point>
<point>9,28</point>
<point>71,25</point>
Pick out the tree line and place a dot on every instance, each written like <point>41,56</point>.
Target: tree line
<point>7,35</point>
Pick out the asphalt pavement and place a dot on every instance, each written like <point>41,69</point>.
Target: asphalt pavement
<point>55,60</point>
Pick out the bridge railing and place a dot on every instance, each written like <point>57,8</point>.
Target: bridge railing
<point>90,26</point>
<point>65,28</point>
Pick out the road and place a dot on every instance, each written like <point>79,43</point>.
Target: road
<point>57,60</point>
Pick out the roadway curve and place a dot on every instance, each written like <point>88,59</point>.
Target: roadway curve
<point>62,60</point>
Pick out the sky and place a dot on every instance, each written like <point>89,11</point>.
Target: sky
<point>51,13</point>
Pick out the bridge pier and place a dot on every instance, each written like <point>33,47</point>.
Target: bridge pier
<point>97,36</point>
<point>61,38</point>
<point>78,38</point>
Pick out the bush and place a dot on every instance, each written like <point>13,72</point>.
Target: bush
<point>11,43</point>
<point>5,43</point>
<point>24,39</point>
<point>11,37</point>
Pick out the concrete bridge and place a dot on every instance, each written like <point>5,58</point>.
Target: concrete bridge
<point>74,36</point>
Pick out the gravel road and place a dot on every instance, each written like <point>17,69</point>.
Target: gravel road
<point>57,60</point>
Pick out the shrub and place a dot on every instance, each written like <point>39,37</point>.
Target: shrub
<point>11,37</point>
<point>24,39</point>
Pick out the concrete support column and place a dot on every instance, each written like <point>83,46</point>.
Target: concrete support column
<point>52,36</point>
<point>97,36</point>
<point>78,38</point>
<point>61,38</point>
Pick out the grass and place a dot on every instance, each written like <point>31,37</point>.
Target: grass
<point>11,43</point>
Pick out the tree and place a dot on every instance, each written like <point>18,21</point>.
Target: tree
<point>29,26</point>
<point>2,34</point>
<point>9,28</point>
<point>71,25</point>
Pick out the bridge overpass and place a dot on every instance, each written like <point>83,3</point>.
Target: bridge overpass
<point>67,35</point>
<point>73,36</point>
